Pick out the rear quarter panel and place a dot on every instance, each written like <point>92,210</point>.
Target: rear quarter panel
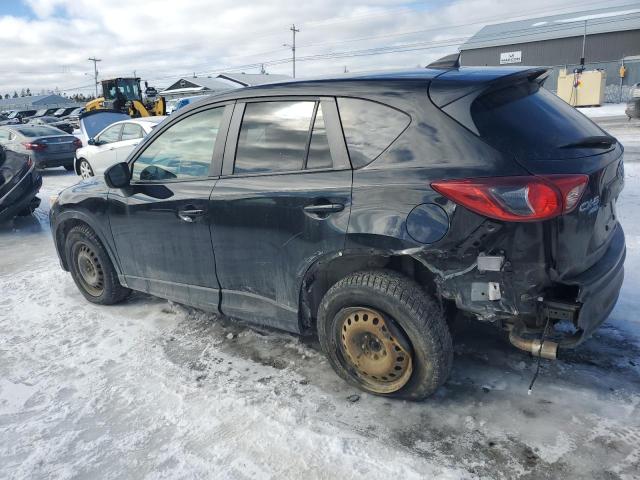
<point>433,147</point>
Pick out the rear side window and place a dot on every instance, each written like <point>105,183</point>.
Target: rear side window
<point>529,122</point>
<point>273,137</point>
<point>369,128</point>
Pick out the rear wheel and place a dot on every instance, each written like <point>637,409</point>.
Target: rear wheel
<point>85,169</point>
<point>385,335</point>
<point>91,267</point>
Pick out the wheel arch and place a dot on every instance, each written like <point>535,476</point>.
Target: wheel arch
<point>63,226</point>
<point>330,269</point>
<point>76,164</point>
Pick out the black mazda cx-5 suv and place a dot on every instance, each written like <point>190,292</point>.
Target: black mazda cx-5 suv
<point>366,210</point>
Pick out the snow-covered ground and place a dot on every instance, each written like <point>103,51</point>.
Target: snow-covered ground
<point>606,110</point>
<point>150,389</point>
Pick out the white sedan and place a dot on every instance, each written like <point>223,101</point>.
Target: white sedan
<point>112,145</point>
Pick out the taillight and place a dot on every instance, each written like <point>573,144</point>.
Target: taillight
<point>35,146</point>
<point>516,199</point>
<point>77,143</point>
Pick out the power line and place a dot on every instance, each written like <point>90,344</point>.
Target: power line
<point>406,33</point>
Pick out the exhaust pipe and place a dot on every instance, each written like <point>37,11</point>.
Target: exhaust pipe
<point>535,347</point>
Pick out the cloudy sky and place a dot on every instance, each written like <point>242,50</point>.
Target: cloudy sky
<point>46,43</point>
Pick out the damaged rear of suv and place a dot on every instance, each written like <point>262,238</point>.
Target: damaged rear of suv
<point>365,210</point>
<point>549,248</point>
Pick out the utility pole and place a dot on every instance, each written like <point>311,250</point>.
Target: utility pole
<point>95,72</point>
<point>294,30</point>
<point>584,42</point>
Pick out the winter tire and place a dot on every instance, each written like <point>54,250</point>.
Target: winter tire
<point>384,334</point>
<point>91,267</point>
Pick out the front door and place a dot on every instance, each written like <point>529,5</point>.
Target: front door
<point>283,202</point>
<point>132,134</point>
<point>160,224</point>
<point>105,148</point>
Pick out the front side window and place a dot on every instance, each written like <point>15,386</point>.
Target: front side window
<point>369,128</point>
<point>182,151</point>
<point>273,137</point>
<point>110,135</point>
<point>131,131</point>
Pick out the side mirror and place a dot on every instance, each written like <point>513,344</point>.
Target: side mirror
<point>118,176</point>
<point>92,141</point>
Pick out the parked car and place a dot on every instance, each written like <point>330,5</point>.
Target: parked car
<point>112,145</point>
<point>74,117</point>
<point>93,122</point>
<point>21,115</point>
<point>47,146</point>
<point>366,210</point>
<point>633,105</point>
<point>183,102</point>
<point>52,122</point>
<point>44,112</point>
<point>63,112</point>
<point>19,184</point>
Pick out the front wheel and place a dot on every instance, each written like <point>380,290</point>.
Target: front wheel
<point>91,267</point>
<point>85,169</point>
<point>383,334</point>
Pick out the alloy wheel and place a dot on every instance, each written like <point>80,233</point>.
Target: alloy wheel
<point>85,169</point>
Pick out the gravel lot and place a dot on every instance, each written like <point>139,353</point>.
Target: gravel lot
<point>151,389</point>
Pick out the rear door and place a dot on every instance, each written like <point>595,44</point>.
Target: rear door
<point>282,202</point>
<point>160,224</point>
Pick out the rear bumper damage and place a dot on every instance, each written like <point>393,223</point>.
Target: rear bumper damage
<point>521,297</point>
<point>599,288</point>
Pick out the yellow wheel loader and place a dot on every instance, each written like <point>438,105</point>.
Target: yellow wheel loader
<point>125,95</point>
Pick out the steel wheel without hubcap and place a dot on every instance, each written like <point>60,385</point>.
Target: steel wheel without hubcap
<point>375,350</point>
<point>90,269</point>
<point>85,169</point>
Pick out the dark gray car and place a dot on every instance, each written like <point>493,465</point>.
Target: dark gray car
<point>46,146</point>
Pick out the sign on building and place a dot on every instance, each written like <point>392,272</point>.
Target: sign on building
<point>510,57</point>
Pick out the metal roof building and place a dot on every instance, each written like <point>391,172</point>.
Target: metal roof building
<point>612,38</point>
<point>188,86</point>
<point>35,102</point>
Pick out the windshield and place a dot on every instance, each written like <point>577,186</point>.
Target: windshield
<point>529,122</point>
<point>128,88</point>
<point>40,131</point>
<point>93,124</point>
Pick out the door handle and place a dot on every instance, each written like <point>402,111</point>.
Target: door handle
<point>190,216</point>
<point>324,208</point>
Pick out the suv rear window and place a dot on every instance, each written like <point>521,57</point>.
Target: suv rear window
<point>529,122</point>
<point>369,128</point>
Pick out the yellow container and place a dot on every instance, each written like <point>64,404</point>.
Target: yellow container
<point>582,89</point>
